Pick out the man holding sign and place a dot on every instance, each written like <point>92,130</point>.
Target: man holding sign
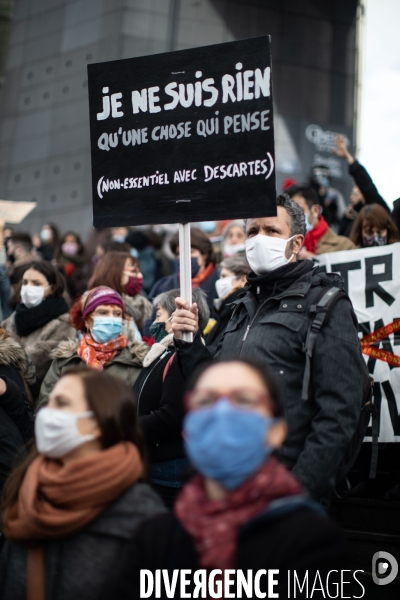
<point>270,323</point>
<point>183,137</point>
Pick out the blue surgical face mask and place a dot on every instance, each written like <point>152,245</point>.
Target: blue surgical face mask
<point>227,443</point>
<point>106,329</point>
<point>208,226</point>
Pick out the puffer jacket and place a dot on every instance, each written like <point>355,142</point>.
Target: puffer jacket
<point>126,365</point>
<point>274,330</point>
<point>80,566</point>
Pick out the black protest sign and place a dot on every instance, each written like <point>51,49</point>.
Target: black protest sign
<point>183,136</point>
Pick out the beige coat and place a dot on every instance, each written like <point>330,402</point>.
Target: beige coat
<point>40,343</point>
<point>331,242</point>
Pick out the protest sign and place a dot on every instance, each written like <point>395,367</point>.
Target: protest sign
<point>15,212</point>
<point>372,280</point>
<point>183,136</point>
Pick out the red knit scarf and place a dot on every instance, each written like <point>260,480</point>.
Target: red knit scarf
<point>96,355</point>
<point>214,524</point>
<point>312,238</point>
<point>198,280</point>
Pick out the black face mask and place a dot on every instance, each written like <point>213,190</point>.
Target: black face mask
<point>11,258</point>
<point>195,266</point>
<point>357,207</point>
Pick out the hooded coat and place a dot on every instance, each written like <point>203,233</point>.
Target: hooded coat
<point>80,566</point>
<point>126,365</point>
<point>40,343</point>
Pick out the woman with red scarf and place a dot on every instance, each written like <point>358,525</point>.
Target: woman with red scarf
<point>243,510</point>
<point>71,507</point>
<point>98,317</point>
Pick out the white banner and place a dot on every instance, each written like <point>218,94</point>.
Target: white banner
<point>372,280</point>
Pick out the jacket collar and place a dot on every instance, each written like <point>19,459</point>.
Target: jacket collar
<point>300,287</point>
<point>158,349</point>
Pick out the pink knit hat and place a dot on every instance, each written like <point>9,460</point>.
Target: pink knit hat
<point>100,295</point>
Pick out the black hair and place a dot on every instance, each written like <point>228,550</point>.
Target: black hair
<point>263,371</point>
<point>23,239</point>
<point>199,241</point>
<point>308,193</point>
<point>295,213</point>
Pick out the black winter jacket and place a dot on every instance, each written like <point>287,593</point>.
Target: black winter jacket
<point>160,405</point>
<point>367,187</point>
<point>272,326</point>
<point>222,314</point>
<point>300,540</point>
<point>396,213</point>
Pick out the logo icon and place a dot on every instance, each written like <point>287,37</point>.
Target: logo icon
<point>384,568</point>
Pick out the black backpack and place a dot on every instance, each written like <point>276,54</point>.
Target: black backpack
<point>320,313</point>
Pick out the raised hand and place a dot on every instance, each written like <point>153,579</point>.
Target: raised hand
<point>184,318</point>
<point>341,149</point>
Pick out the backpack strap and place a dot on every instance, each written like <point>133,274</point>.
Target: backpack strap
<point>167,366</point>
<point>375,436</point>
<point>320,311</point>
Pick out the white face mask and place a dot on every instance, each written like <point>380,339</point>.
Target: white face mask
<point>32,295</point>
<point>231,249</point>
<point>56,432</point>
<point>224,286</point>
<point>45,235</point>
<point>309,225</point>
<point>265,253</point>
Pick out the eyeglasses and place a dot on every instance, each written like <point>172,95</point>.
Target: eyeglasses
<point>245,398</point>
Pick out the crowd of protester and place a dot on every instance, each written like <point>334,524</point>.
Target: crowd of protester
<point>124,447</point>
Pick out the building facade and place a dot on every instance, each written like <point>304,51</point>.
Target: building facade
<point>44,122</point>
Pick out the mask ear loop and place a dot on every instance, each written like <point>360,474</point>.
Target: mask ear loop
<point>293,254</point>
<point>170,319</point>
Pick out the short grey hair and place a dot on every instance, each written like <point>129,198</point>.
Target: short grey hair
<point>237,264</point>
<point>167,301</point>
<point>297,221</point>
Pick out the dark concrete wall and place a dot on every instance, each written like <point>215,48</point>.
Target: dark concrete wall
<point>44,129</point>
